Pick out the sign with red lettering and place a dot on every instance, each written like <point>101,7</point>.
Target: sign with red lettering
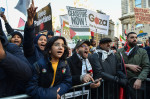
<point>142,15</point>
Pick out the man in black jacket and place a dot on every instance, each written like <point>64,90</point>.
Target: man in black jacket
<point>80,67</point>
<point>104,64</point>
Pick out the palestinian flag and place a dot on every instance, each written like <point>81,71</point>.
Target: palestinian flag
<point>21,24</point>
<point>122,39</point>
<point>123,68</point>
<point>58,33</point>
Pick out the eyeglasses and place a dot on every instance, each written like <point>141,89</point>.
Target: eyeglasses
<point>59,45</point>
<point>84,46</point>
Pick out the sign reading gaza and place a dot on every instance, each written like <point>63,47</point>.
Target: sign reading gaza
<point>43,19</point>
<point>99,21</point>
<point>83,18</point>
<point>77,17</point>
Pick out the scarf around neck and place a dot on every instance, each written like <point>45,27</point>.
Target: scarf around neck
<point>105,54</point>
<point>130,51</point>
<point>86,66</point>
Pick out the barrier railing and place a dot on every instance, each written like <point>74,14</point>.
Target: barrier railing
<point>76,93</point>
<point>99,91</point>
<point>143,88</point>
<point>22,96</point>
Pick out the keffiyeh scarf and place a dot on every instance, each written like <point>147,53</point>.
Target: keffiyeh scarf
<point>105,54</point>
<point>86,66</point>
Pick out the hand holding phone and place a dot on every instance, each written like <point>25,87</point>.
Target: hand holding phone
<point>96,83</point>
<point>97,80</point>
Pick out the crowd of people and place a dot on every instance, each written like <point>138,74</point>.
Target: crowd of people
<point>43,67</point>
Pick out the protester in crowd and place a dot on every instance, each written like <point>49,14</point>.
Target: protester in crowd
<point>93,42</point>
<point>70,52</point>
<point>114,49</point>
<point>50,34</point>
<point>33,46</point>
<point>80,67</point>
<point>16,38</point>
<point>136,63</point>
<point>105,65</point>
<point>147,48</point>
<point>147,43</point>
<point>13,36</point>
<point>14,68</point>
<point>140,44</point>
<point>9,46</point>
<point>52,76</point>
<point>92,46</point>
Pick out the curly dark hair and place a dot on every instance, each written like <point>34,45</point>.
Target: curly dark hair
<point>50,44</point>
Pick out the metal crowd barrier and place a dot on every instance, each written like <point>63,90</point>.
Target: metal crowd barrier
<point>22,96</point>
<point>76,93</point>
<point>143,88</point>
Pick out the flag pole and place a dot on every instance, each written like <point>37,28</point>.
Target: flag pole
<point>7,11</point>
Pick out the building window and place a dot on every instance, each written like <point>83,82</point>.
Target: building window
<point>138,3</point>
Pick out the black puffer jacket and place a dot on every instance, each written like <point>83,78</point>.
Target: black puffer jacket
<point>108,70</point>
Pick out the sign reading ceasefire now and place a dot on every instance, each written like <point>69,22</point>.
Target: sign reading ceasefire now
<point>142,15</point>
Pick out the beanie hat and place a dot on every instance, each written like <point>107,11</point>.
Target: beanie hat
<point>17,33</point>
<point>104,40</point>
<point>50,33</point>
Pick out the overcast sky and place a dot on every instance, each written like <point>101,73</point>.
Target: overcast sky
<point>110,7</point>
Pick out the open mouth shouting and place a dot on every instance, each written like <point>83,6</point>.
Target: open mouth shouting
<point>17,42</point>
<point>60,53</point>
<point>42,46</point>
<point>85,53</point>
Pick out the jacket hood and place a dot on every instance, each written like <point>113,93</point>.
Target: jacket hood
<point>37,38</point>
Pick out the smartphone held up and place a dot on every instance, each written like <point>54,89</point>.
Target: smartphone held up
<point>2,10</point>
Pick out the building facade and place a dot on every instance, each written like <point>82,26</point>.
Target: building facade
<point>128,18</point>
